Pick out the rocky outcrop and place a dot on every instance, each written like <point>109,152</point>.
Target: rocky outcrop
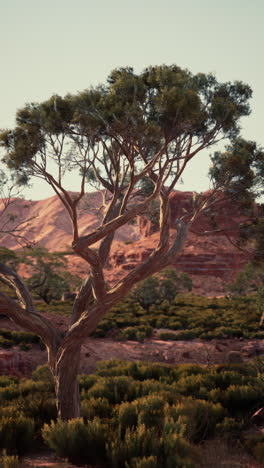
<point>209,256</point>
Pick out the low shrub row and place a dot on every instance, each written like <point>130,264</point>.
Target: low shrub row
<point>10,338</point>
<point>190,316</point>
<point>134,414</point>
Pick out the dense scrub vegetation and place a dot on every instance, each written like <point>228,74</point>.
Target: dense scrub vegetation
<point>188,315</point>
<point>135,415</point>
<point>184,318</point>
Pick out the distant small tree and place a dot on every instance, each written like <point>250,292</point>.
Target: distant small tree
<point>153,125</point>
<point>49,278</point>
<point>163,286</point>
<point>250,280</point>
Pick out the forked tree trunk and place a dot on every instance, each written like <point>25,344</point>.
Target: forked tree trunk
<point>66,383</point>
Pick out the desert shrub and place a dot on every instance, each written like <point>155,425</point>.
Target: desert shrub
<point>42,373</point>
<point>223,379</point>
<point>151,386</point>
<point>96,407</point>
<point>137,443</point>
<point>239,399</point>
<point>177,452</point>
<point>138,333</point>
<point>87,381</point>
<point>127,417</point>
<point>5,342</point>
<point>28,386</point>
<point>150,410</point>
<point>191,385</point>
<point>9,461</point>
<point>6,381</point>
<point>167,336</point>
<point>6,333</point>
<point>76,440</point>
<point>114,389</point>
<point>152,371</point>
<point>145,462</point>
<point>25,347</point>
<point>199,416</point>
<point>128,333</point>
<point>230,428</point>
<point>24,337</point>
<point>137,370</point>
<point>183,370</point>
<point>16,433</point>
<point>188,334</point>
<point>244,369</point>
<point>9,393</point>
<point>40,406</point>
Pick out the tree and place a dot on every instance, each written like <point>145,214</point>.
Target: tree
<point>50,278</point>
<point>160,287</point>
<point>150,125</point>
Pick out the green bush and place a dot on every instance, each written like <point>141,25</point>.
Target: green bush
<point>5,342</point>
<point>127,417</point>
<point>77,441</point>
<point>9,461</point>
<point>150,411</point>
<point>199,416</point>
<point>9,393</point>
<point>16,433</point>
<point>240,399</point>
<point>137,443</point>
<point>42,373</point>
<point>87,381</point>
<point>145,462</point>
<point>40,406</point>
<point>6,381</point>
<point>96,407</point>
<point>177,452</point>
<point>138,333</point>
<point>230,428</point>
<point>114,389</point>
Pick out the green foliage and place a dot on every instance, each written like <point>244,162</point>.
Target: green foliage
<point>200,417</point>
<point>42,373</point>
<point>134,412</point>
<point>50,277</point>
<point>133,333</point>
<point>190,316</point>
<point>9,461</point>
<point>138,442</point>
<point>10,338</point>
<point>76,440</point>
<point>8,257</point>
<point>96,407</point>
<point>163,286</point>
<point>248,280</point>
<point>16,434</point>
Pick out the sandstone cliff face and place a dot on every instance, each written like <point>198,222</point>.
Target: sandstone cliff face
<point>209,258</point>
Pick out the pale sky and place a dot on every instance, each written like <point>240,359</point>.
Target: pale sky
<point>61,46</point>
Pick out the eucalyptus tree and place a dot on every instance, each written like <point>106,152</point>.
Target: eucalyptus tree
<point>133,129</point>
